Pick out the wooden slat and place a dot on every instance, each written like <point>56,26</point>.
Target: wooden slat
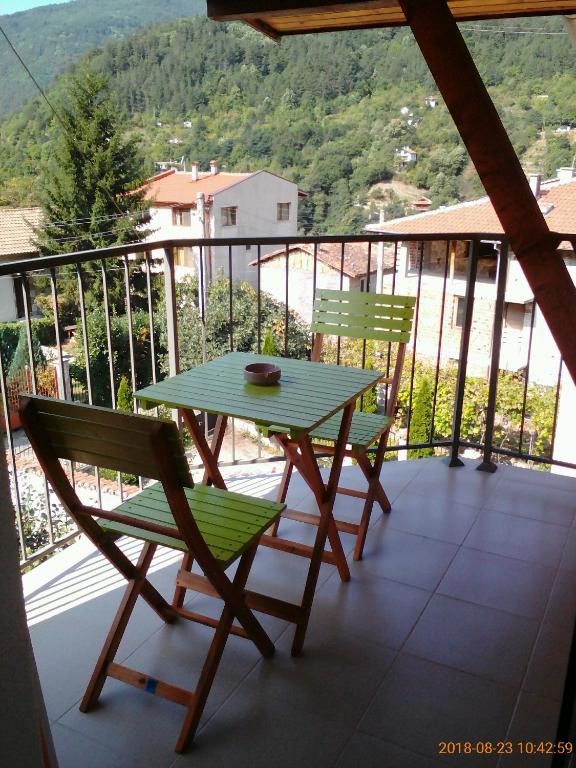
<point>363,310</point>
<point>150,684</point>
<point>357,297</point>
<point>359,333</point>
<point>361,321</point>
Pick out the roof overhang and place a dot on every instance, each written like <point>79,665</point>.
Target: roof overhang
<point>277,18</point>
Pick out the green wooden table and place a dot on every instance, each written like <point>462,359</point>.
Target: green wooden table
<point>307,394</point>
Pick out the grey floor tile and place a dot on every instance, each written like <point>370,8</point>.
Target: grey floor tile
<point>539,502</point>
<point>463,484</point>
<point>434,518</point>
<point>251,731</point>
<point>534,720</point>
<point>499,582</point>
<point>369,607</point>
<point>74,750</point>
<point>369,752</point>
<point>562,604</point>
<point>331,678</point>
<point>420,704</point>
<point>547,669</point>
<point>474,639</point>
<point>414,560</point>
<point>536,477</point>
<point>568,561</point>
<point>518,537</point>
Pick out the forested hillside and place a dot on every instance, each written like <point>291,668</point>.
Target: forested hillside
<point>328,111</point>
<point>52,37</point>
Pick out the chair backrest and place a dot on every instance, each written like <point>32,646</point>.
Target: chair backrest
<point>101,437</point>
<point>370,316</point>
<point>380,317</point>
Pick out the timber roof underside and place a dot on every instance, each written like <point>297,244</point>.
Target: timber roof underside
<point>290,17</point>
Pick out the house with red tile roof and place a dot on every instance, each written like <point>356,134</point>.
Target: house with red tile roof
<point>429,261</point>
<point>213,204</point>
<point>16,242</point>
<point>320,266</point>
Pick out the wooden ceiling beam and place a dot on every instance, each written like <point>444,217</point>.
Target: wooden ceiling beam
<point>493,155</point>
<point>227,10</point>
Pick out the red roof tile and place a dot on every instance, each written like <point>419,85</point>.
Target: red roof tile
<point>557,201</point>
<point>17,231</point>
<point>355,261</point>
<point>178,188</point>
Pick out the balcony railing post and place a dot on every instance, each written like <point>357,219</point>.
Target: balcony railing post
<point>473,251</point>
<point>171,312</point>
<point>487,464</point>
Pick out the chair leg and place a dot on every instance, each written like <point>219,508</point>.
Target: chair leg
<point>180,592</point>
<point>118,628</point>
<point>214,656</point>
<point>375,492</point>
<point>282,493</point>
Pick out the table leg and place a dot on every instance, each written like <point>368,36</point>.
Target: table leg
<point>209,459</point>
<point>327,496</point>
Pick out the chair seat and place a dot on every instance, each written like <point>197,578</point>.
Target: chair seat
<point>364,430</point>
<point>229,522</point>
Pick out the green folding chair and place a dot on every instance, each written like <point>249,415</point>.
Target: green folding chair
<point>214,527</point>
<point>378,317</point>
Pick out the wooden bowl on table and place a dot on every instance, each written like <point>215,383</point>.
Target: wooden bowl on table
<point>262,374</point>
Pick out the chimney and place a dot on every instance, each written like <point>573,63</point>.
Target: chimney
<point>566,174</point>
<point>535,179</point>
<point>194,168</point>
<point>213,167</point>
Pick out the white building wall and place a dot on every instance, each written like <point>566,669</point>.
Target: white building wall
<point>256,199</point>
<point>8,311</point>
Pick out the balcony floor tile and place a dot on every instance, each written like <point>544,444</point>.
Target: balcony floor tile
<point>456,625</point>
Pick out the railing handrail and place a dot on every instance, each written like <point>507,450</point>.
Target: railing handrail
<point>37,263</point>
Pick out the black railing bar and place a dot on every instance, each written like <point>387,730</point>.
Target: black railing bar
<point>28,325</point>
<point>527,374</point>
<point>340,286</point>
<point>556,405</point>
<point>286,307</point>
<point>230,299</point>
<point>56,312</point>
<point>440,337</point>
<point>39,263</point>
<point>9,437</point>
<point>108,333</point>
<point>171,312</point>
<point>367,289</point>
<point>259,299</point>
<point>130,325</point>
<point>455,461</point>
<point>415,337</point>
<point>108,326</point>
<point>314,270</point>
<point>84,323</point>
<point>150,315</point>
<point>487,464</point>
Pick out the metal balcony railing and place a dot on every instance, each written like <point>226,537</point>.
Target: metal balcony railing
<point>502,411</point>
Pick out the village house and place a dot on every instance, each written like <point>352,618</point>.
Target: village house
<point>406,155</point>
<point>16,242</point>
<point>333,270</point>
<point>196,204</point>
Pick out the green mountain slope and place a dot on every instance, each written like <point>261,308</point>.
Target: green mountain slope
<point>328,111</point>
<point>52,37</point>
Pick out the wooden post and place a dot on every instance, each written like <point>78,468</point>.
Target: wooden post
<point>477,120</point>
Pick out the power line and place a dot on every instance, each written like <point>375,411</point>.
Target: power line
<point>54,111</point>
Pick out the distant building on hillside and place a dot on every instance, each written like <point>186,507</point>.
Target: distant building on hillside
<point>16,242</point>
<point>407,155</point>
<point>302,271</point>
<point>214,204</point>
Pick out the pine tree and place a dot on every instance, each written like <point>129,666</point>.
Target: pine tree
<point>87,188</point>
<point>269,346</point>
<point>22,357</point>
<point>421,420</point>
<point>124,397</point>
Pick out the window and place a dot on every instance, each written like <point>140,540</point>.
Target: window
<point>283,211</point>
<point>248,247</point>
<point>183,257</point>
<point>362,284</point>
<point>181,217</point>
<point>229,216</point>
<point>460,312</point>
